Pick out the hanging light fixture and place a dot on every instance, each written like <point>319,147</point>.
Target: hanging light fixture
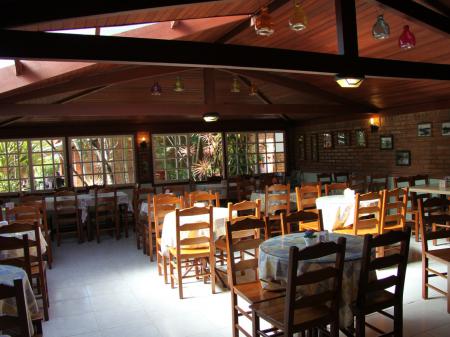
<point>235,85</point>
<point>298,21</point>
<point>211,117</point>
<point>349,81</point>
<point>407,40</point>
<point>263,23</point>
<point>179,86</point>
<point>156,89</point>
<point>380,29</point>
<point>253,90</point>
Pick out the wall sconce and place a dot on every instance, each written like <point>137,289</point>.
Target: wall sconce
<point>374,124</point>
<point>143,138</point>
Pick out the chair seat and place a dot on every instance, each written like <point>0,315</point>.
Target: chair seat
<point>361,231</point>
<point>253,292</point>
<point>378,301</point>
<point>221,244</point>
<point>273,312</point>
<point>441,255</point>
<point>193,252</point>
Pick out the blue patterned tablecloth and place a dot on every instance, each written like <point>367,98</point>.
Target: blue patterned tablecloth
<point>273,268</point>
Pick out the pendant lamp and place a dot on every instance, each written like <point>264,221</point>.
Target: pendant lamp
<point>156,89</point>
<point>298,20</point>
<point>407,40</point>
<point>380,29</point>
<point>179,86</point>
<point>235,85</point>
<point>263,23</point>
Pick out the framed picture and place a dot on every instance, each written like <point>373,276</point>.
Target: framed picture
<point>343,138</point>
<point>327,140</point>
<point>314,148</point>
<point>424,130</point>
<point>386,142</point>
<point>403,158</point>
<point>361,138</point>
<point>301,147</point>
<point>446,129</point>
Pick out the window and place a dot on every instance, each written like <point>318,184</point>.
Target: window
<point>181,157</point>
<point>31,164</point>
<point>255,152</point>
<point>102,160</point>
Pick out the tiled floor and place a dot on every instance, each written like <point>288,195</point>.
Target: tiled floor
<point>111,289</point>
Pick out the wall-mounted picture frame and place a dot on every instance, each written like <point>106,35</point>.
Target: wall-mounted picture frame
<point>424,130</point>
<point>361,138</point>
<point>446,129</point>
<point>314,147</point>
<point>327,138</point>
<point>386,142</point>
<point>343,138</point>
<point>301,147</point>
<point>403,158</point>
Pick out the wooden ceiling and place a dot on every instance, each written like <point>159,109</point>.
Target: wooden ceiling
<point>52,93</point>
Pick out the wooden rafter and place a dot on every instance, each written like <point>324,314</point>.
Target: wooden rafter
<point>47,46</point>
<point>79,95</point>
<point>347,33</point>
<point>9,121</point>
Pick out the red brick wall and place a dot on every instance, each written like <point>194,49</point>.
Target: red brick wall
<point>429,155</point>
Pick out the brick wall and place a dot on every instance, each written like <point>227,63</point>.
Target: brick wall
<point>429,155</point>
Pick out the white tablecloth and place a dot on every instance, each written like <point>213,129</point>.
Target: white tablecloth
<point>19,252</point>
<point>8,307</point>
<point>88,200</point>
<point>169,232</point>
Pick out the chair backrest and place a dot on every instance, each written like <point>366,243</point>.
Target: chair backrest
<point>378,182</point>
<point>193,238</point>
<point>324,178</point>
<point>141,195</point>
<point>372,287</point>
<point>306,196</point>
<point>178,190</point>
<point>367,216</point>
<point>403,182</point>
<point>358,183</point>
<point>244,209</point>
<point>341,177</point>
<point>105,204</point>
<point>245,187</point>
<point>418,180</point>
<point>65,204</point>
<point>330,189</point>
<point>328,296</point>
<point>234,231</point>
<point>20,212</point>
<point>298,218</point>
<point>393,208</point>
<point>163,204</point>
<point>19,322</point>
<point>433,211</point>
<point>9,248</point>
<point>277,198</point>
<point>212,199</point>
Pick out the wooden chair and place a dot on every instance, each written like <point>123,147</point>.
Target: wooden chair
<point>249,290</point>
<point>193,250</point>
<point>212,199</point>
<point>331,188</point>
<point>324,178</point>
<point>143,222</point>
<point>294,313</point>
<point>126,216</point>
<point>298,219</point>
<point>9,247</point>
<point>430,213</point>
<point>341,177</point>
<point>407,182</point>
<point>245,187</point>
<point>179,191</point>
<point>67,215</point>
<point>37,263</point>
<point>358,183</point>
<point>233,188</point>
<point>162,204</point>
<point>277,200</point>
<point>306,201</point>
<point>373,295</point>
<point>378,182</point>
<point>367,218</point>
<point>19,323</point>
<point>106,212</point>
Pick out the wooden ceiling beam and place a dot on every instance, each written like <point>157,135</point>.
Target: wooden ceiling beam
<point>438,22</point>
<point>13,15</point>
<point>9,121</point>
<point>79,95</point>
<point>439,6</point>
<point>111,49</point>
<point>347,32</point>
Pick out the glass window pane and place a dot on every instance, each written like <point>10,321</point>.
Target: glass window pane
<point>279,147</point>
<point>278,136</point>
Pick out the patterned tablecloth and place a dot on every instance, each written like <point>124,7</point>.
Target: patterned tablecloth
<point>273,268</point>
<point>8,307</point>
<point>19,252</point>
<point>262,196</point>
<point>88,200</point>
<point>169,232</point>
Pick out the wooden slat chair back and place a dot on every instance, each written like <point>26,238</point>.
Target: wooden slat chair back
<point>19,323</point>
<point>378,182</point>
<point>362,222</point>
<point>67,216</point>
<point>207,197</point>
<point>162,204</point>
<point>24,212</point>
<point>233,188</point>
<point>306,201</point>
<point>419,180</point>
<point>434,212</point>
<point>106,212</point>
<point>248,289</point>
<point>304,313</point>
<point>335,188</point>
<point>373,295</point>
<point>323,179</point>
<point>245,188</point>
<point>10,245</point>
<point>300,219</point>
<point>341,177</point>
<point>37,263</point>
<point>193,249</point>
<point>141,221</point>
<point>358,183</point>
<point>393,216</point>
<point>277,200</point>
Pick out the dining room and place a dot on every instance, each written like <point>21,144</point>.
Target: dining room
<point>225,168</point>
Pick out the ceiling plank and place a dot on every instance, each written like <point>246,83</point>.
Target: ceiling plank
<point>13,15</point>
<point>48,46</point>
<point>438,22</point>
<point>347,33</point>
<point>78,95</point>
<point>209,86</point>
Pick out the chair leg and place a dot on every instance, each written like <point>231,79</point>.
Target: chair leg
<point>212,270</point>
<point>448,288</point>
<point>398,320</point>
<point>150,241</point>
<point>165,262</point>
<point>360,325</point>
<point>180,279</point>
<point>255,324</point>
<point>235,315</point>
<point>424,277</point>
<point>433,229</point>
<point>416,226</point>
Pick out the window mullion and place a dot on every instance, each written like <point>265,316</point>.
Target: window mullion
<point>30,167</point>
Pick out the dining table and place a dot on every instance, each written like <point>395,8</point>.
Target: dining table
<point>433,189</point>
<point>8,306</point>
<point>274,260</point>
